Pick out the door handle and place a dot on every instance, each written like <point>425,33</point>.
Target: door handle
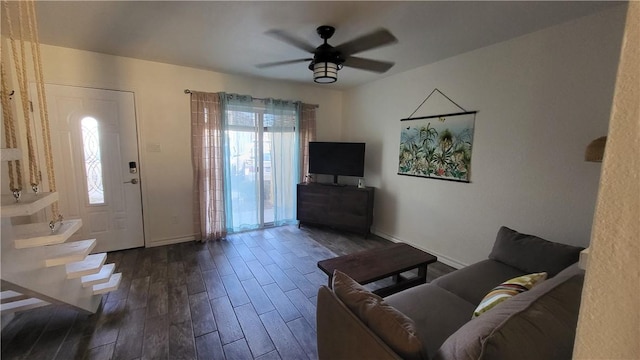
<point>132,181</point>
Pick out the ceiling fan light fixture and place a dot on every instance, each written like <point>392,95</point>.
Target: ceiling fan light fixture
<point>325,72</point>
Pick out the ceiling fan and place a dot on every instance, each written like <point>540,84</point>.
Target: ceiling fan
<point>327,59</point>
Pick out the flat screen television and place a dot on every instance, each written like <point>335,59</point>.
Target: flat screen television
<point>336,158</point>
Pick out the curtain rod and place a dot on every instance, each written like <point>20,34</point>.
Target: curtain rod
<point>188,91</point>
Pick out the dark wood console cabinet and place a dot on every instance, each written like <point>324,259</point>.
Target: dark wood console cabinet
<point>342,207</point>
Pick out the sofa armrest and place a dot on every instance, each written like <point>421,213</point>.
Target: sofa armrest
<point>341,335</point>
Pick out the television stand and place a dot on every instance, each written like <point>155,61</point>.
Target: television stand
<point>342,207</point>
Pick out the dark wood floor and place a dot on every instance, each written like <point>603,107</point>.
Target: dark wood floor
<point>252,295</point>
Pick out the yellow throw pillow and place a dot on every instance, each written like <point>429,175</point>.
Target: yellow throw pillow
<point>508,289</point>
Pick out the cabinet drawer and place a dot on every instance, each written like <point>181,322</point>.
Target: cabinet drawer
<point>351,203</point>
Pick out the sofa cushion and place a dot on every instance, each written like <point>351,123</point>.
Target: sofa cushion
<point>530,253</point>
<point>355,296</point>
<point>507,290</point>
<point>538,324</point>
<point>436,312</point>
<point>473,282</point>
<point>393,327</point>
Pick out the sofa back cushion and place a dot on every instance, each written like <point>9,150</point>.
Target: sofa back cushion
<point>537,324</point>
<point>531,253</point>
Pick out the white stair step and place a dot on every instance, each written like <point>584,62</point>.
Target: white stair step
<point>21,305</point>
<point>90,265</point>
<point>103,276</point>
<point>10,296</point>
<point>110,285</point>
<point>62,254</point>
<point>11,154</point>
<point>29,203</point>
<point>39,234</point>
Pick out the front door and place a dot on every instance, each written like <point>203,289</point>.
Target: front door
<point>95,152</point>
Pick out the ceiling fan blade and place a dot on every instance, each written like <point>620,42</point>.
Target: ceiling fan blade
<point>368,64</point>
<point>278,63</point>
<point>375,39</point>
<point>291,40</point>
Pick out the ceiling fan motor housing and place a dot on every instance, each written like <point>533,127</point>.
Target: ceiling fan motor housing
<point>326,52</point>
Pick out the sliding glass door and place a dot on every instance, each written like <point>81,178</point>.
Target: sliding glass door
<point>260,169</point>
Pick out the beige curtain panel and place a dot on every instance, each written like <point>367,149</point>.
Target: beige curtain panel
<point>307,133</point>
<point>208,164</point>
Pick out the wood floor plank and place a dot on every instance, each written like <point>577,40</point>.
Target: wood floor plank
<point>223,265</point>
<point>244,252</point>
<point>138,293</point>
<point>302,283</point>
<point>175,274</point>
<point>280,277</point>
<point>277,257</point>
<point>213,283</point>
<point>261,255</point>
<point>254,332</point>
<point>158,273</point>
<point>259,299</point>
<point>104,352</point>
<point>228,249</point>
<point>270,356</point>
<point>156,338</point>
<point>240,268</point>
<point>259,272</point>
<point>317,278</point>
<point>285,307</point>
<point>181,341</point>
<point>201,314</point>
<point>204,260</point>
<point>237,350</point>
<point>209,347</point>
<point>110,320</point>
<point>305,335</point>
<point>302,303</point>
<point>179,310</point>
<point>174,253</point>
<point>305,264</point>
<point>235,291</point>
<point>144,268</point>
<point>158,299</point>
<point>282,338</point>
<point>131,335</point>
<point>228,325</point>
<point>195,284</point>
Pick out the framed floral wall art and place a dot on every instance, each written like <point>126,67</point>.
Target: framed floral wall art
<point>438,146</point>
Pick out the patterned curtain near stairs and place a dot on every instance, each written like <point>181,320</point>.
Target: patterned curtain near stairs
<point>206,145</point>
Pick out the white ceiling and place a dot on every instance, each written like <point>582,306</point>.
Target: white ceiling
<point>228,36</point>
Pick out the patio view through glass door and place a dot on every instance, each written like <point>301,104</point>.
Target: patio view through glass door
<point>260,171</point>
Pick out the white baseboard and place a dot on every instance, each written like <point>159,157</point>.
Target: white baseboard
<point>442,258</point>
<point>169,241</point>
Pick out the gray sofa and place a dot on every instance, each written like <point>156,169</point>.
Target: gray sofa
<point>434,320</point>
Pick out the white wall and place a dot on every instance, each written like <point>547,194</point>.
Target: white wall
<point>606,331</point>
<point>541,99</point>
<point>163,117</point>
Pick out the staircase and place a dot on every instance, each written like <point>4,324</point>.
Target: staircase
<point>39,267</point>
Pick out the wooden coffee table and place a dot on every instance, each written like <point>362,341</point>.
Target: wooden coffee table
<point>376,264</point>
